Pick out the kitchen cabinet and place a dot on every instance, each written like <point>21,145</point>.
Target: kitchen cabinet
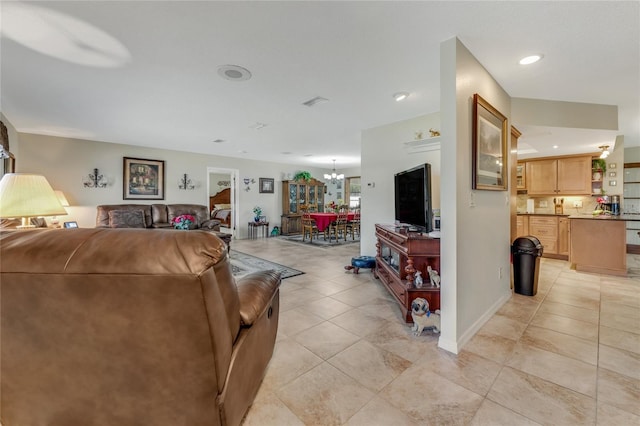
<point>522,226</point>
<point>296,194</point>
<point>397,248</point>
<point>559,176</point>
<point>563,236</point>
<point>553,233</point>
<point>521,176</point>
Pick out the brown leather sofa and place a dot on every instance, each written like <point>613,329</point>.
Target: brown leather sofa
<point>130,327</point>
<point>156,216</point>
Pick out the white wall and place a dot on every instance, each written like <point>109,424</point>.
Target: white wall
<point>383,155</point>
<point>475,239</point>
<point>64,162</point>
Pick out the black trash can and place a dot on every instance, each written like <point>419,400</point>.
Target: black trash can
<point>526,253</point>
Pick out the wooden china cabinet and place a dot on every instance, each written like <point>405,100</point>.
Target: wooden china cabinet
<point>398,248</point>
<point>296,194</point>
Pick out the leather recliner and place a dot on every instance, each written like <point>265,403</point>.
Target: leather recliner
<point>130,327</point>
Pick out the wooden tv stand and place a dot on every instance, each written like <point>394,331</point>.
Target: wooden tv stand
<point>396,248</point>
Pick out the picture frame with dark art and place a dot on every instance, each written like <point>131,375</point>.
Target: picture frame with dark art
<point>489,147</point>
<point>266,185</point>
<point>143,179</point>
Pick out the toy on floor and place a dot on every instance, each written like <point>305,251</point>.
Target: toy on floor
<point>361,262</point>
<point>422,318</point>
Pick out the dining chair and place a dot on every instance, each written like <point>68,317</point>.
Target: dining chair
<point>308,227</point>
<point>339,227</point>
<point>353,226</point>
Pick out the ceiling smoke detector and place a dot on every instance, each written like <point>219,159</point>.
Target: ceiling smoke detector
<point>234,73</point>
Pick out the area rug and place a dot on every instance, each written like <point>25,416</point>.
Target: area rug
<point>243,264</point>
<point>320,242</point>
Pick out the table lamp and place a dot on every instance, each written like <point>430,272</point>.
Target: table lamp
<point>63,200</point>
<point>24,195</point>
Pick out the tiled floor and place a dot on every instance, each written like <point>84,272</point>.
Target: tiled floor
<point>568,356</point>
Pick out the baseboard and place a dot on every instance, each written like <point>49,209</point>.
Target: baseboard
<point>456,346</point>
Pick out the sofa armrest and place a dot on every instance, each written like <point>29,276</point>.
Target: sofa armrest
<point>255,292</point>
<point>211,224</point>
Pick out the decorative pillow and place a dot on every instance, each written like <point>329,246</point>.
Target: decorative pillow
<point>126,219</point>
<point>222,206</point>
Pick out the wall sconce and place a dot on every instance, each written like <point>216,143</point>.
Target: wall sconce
<point>185,183</point>
<point>95,180</point>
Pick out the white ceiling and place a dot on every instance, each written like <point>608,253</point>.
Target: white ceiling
<point>145,73</point>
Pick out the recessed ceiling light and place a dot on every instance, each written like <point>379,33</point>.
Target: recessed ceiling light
<point>555,147</point>
<point>234,73</point>
<point>528,60</point>
<point>315,101</point>
<point>400,96</point>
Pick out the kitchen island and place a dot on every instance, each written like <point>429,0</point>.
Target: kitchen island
<point>598,243</point>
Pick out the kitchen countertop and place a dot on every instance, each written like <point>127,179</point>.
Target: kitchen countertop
<point>622,217</point>
<point>541,214</point>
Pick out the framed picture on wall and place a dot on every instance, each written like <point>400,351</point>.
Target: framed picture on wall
<point>266,185</point>
<point>489,147</point>
<point>143,179</point>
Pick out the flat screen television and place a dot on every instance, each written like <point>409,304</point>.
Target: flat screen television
<point>413,198</point>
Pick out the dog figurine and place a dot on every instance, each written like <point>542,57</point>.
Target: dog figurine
<point>433,276</point>
<point>422,318</point>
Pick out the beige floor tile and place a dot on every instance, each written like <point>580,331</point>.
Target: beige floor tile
<point>620,361</point>
<point>290,360</point>
<point>294,321</point>
<point>379,412</point>
<point>631,312</point>
<point>327,307</point>
<point>570,296</point>
<point>620,322</point>
<point>609,415</point>
<point>269,410</point>
<point>490,346</point>
<point>492,414</point>
<point>500,325</point>
<point>326,339</point>
<point>293,299</point>
<point>562,309</point>
<point>465,369</point>
<point>324,396</point>
<point>398,339</point>
<point>560,343</point>
<point>561,370</point>
<point>566,325</point>
<point>431,399</point>
<point>540,400</point>
<point>619,391</point>
<point>358,322</point>
<point>383,308</point>
<point>620,339</point>
<point>519,309</point>
<point>370,365</point>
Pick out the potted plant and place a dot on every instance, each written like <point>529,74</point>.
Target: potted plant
<point>257,212</point>
<point>598,167</point>
<point>302,175</point>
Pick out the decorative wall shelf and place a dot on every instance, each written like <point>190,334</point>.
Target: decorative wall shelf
<point>423,145</point>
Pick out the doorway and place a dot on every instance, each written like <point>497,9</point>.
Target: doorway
<point>222,187</point>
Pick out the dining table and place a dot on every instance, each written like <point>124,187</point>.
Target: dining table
<point>323,220</point>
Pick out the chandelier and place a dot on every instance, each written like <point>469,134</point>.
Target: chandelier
<point>334,177</point>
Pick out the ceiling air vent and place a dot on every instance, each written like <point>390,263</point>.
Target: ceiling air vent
<point>315,101</point>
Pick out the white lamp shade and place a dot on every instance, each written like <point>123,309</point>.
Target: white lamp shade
<point>62,198</point>
<point>26,195</point>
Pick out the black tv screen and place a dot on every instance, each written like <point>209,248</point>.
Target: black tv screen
<point>413,197</point>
